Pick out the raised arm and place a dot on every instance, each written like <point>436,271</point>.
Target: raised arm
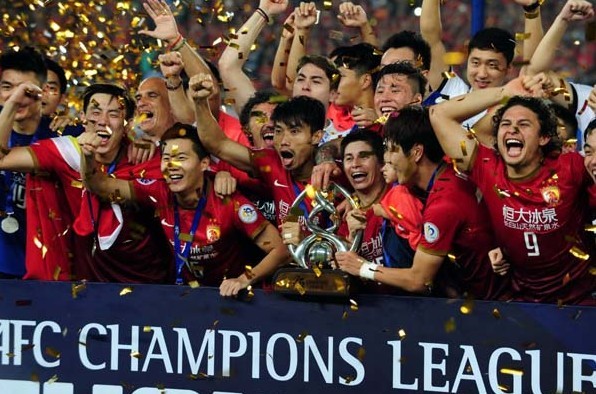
<point>542,59</point>
<point>171,66</point>
<point>201,87</point>
<point>279,71</point>
<point>167,31</point>
<point>95,180</point>
<point>431,30</point>
<point>305,17</point>
<point>352,15</point>
<point>16,159</point>
<point>446,119</point>
<point>532,27</point>
<point>239,87</point>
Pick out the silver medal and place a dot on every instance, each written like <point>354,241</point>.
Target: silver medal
<point>9,225</point>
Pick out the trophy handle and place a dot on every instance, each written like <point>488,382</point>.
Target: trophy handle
<point>318,234</point>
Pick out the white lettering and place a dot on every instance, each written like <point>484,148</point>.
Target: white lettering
<point>396,361</point>
<point>293,353</point>
<point>576,368</point>
<point>354,362</point>
<point>18,341</point>
<point>469,358</point>
<point>227,353</point>
<point>184,346</point>
<point>83,342</point>
<point>493,369</point>
<point>256,360</point>
<point>37,349</point>
<point>429,366</point>
<point>310,347</point>
<point>116,346</point>
<point>159,340</point>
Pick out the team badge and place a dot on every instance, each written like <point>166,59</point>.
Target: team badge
<point>247,213</point>
<point>145,181</point>
<point>431,232</point>
<point>213,233</point>
<point>551,194</point>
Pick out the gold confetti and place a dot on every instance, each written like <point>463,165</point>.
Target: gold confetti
<point>310,191</point>
<point>462,146</point>
<point>194,284</point>
<point>185,237</point>
<point>401,333</point>
<point>361,353</point>
<point>467,307</point>
<point>53,379</point>
<point>302,335</point>
<point>147,329</point>
<point>126,291</point>
<point>136,354</point>
<point>353,305</point>
<point>317,271</point>
<point>496,313</point>
<point>511,371</point>
<point>580,254</point>
<point>50,351</point>
<point>454,58</point>
<point>299,288</point>
<point>77,288</point>
<point>450,325</point>
<point>57,271</point>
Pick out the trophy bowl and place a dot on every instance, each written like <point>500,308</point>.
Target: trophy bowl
<point>315,273</point>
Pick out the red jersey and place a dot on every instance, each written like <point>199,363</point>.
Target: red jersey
<point>277,181</point>
<point>138,253</point>
<point>539,224</point>
<point>231,126</point>
<point>216,250</point>
<point>340,116</point>
<point>456,223</point>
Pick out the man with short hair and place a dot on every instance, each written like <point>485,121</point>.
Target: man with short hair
<point>109,243</point>
<point>456,233</point>
<point>22,74</point>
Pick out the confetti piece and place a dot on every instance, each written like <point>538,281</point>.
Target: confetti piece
<point>467,307</point>
<point>401,333</point>
<point>317,271</point>
<point>299,288</point>
<point>496,313</point>
<point>511,371</point>
<point>194,284</point>
<point>126,291</point>
<point>301,336</point>
<point>580,254</point>
<point>353,305</point>
<point>136,354</point>
<point>50,351</point>
<point>454,58</point>
<point>450,325</point>
<point>522,36</point>
<point>77,288</point>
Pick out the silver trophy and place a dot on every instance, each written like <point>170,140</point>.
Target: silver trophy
<point>315,254</point>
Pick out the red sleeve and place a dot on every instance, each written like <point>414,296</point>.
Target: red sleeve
<point>47,156</point>
<point>247,218</point>
<point>150,192</point>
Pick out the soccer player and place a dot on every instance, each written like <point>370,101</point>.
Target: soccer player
<point>456,229</point>
<point>537,199</point>
<point>203,229</point>
<point>109,243</point>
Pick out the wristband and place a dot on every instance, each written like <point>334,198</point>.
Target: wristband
<point>173,43</point>
<point>532,7</point>
<point>532,15</point>
<point>262,12</point>
<point>367,270</point>
<point>180,45</point>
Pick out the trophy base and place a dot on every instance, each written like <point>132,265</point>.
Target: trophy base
<point>301,282</point>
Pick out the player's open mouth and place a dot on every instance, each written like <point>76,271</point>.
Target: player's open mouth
<point>267,135</point>
<point>287,157</point>
<point>104,135</point>
<point>358,177</point>
<point>514,147</point>
<point>386,111</point>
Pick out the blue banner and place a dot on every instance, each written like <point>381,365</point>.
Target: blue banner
<point>62,338</point>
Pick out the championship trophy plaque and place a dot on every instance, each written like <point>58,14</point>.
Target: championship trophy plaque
<point>315,273</point>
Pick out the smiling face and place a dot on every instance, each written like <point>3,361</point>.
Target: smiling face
<point>51,96</point>
<point>153,107</point>
<point>105,117</point>
<point>9,81</point>
<point>362,167</point>
<point>312,81</point>
<point>393,93</point>
<point>260,125</point>
<point>181,166</point>
<point>519,141</point>
<point>405,165</point>
<point>486,69</point>
<point>295,145</point>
